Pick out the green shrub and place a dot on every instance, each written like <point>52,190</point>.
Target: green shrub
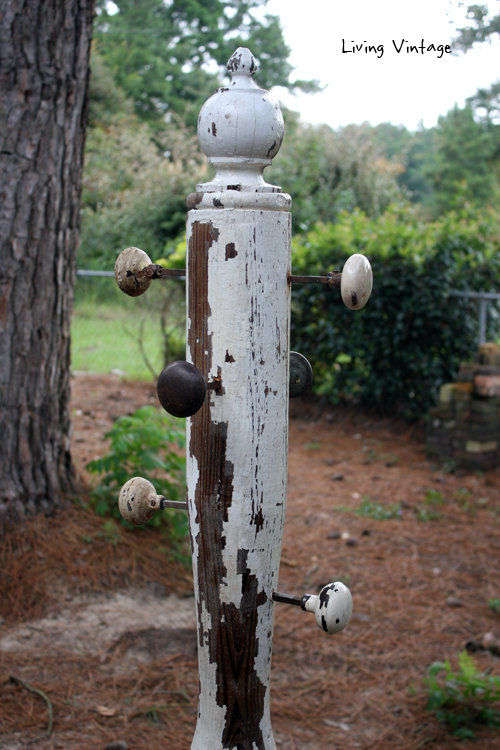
<point>141,445</point>
<point>465,698</point>
<point>411,336</point>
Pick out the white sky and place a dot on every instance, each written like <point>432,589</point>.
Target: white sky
<point>399,88</point>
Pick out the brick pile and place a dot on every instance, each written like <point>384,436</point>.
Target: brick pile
<point>465,426</point>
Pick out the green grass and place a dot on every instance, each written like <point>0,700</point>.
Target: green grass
<point>104,338</point>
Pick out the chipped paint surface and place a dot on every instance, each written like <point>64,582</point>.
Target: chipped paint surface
<point>332,608</point>
<point>238,330</point>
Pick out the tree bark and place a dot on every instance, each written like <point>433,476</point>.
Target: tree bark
<point>44,64</point>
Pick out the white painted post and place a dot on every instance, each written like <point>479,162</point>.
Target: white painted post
<point>239,238</point>
<point>235,384</point>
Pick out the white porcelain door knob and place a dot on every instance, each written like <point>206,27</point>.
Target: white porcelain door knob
<point>357,281</point>
<point>332,607</point>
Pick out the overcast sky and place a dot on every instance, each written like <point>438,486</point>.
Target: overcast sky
<point>382,86</point>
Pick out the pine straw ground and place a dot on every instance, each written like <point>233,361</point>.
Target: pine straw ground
<point>420,590</point>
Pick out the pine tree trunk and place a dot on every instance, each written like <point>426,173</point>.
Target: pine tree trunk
<point>44,57</point>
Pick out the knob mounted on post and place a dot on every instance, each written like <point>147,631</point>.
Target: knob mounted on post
<point>138,501</point>
<point>301,375</point>
<point>356,282</point>
<point>332,607</point>
<point>181,389</point>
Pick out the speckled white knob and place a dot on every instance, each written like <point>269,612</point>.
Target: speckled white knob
<point>356,282</point>
<point>138,501</point>
<point>127,265</point>
<point>332,607</point>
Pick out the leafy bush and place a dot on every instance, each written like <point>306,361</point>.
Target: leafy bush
<point>141,445</point>
<point>410,338</point>
<point>465,698</point>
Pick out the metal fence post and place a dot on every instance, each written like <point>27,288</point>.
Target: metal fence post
<point>482,319</point>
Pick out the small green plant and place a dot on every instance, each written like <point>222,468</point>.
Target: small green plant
<point>142,445</point>
<point>312,446</point>
<point>110,532</point>
<point>449,466</point>
<point>494,604</point>
<point>428,514</point>
<point>377,511</point>
<point>465,698</point>
<point>434,497</point>
<point>464,497</point>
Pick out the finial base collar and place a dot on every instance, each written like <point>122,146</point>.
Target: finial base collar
<point>238,173</point>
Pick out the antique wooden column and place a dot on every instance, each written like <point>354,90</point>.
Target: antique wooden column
<point>234,389</point>
<point>238,250</point>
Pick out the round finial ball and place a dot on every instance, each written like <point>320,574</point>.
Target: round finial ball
<point>181,389</point>
<point>356,282</point>
<point>240,121</point>
<point>138,501</point>
<point>333,608</point>
<point>127,267</point>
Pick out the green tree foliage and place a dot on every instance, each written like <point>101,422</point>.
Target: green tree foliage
<point>409,339</point>
<point>167,56</point>
<point>413,152</point>
<point>328,171</point>
<point>482,27</point>
<point>135,182</point>
<point>467,154</point>
<point>486,104</point>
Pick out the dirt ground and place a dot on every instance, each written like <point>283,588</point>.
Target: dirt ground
<point>101,621</point>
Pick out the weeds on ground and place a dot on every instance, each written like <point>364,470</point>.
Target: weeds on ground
<point>464,498</point>
<point>370,509</point>
<point>433,500</point>
<point>143,445</point>
<point>494,604</point>
<point>463,699</point>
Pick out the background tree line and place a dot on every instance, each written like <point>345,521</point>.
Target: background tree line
<point>423,205</point>
<point>154,64</point>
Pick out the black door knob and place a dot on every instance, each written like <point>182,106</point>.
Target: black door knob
<point>181,389</point>
<point>301,375</point>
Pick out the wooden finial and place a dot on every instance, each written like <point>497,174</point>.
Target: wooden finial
<point>240,129</point>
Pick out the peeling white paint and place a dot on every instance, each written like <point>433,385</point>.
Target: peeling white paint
<point>248,330</point>
<point>249,298</point>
